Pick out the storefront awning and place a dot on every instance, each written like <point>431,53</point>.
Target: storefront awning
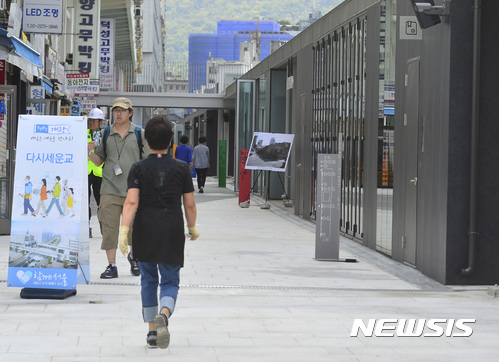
<point>20,54</point>
<point>44,81</point>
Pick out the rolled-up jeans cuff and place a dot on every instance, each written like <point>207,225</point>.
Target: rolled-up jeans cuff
<point>149,313</point>
<point>167,302</point>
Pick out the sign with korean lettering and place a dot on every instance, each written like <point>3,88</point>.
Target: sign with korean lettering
<point>106,59</point>
<point>37,92</point>
<point>44,17</point>
<point>90,90</point>
<point>74,110</point>
<point>75,80</point>
<point>86,40</point>
<point>64,111</point>
<point>87,105</point>
<point>328,201</point>
<point>49,231</point>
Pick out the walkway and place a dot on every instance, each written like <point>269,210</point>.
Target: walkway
<point>251,291</point>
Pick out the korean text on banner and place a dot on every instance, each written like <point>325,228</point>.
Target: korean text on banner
<point>106,62</point>
<point>49,231</point>
<point>87,23</point>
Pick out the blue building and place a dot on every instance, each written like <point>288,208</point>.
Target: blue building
<point>225,44</point>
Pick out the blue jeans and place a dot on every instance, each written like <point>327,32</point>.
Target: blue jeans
<point>55,201</point>
<point>168,288</point>
<point>27,206</point>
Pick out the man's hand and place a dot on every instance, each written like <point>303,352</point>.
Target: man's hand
<point>193,232</point>
<point>123,240</point>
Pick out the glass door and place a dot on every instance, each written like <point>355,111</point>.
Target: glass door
<point>7,155</point>
<point>245,120</point>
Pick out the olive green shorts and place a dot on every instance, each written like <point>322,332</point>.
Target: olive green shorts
<point>109,214</point>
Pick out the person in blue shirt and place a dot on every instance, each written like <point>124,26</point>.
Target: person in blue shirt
<point>28,190</point>
<point>184,152</point>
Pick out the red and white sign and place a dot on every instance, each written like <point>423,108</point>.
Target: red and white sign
<point>244,178</point>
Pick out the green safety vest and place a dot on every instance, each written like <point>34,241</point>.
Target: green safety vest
<point>97,170</point>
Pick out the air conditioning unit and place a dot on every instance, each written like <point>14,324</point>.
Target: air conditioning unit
<point>138,12</point>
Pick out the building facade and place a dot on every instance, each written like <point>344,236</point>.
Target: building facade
<point>40,55</point>
<point>225,44</point>
<point>411,110</point>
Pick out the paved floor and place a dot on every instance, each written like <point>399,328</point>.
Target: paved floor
<point>251,291</point>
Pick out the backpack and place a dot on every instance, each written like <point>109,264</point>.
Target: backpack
<point>138,134</point>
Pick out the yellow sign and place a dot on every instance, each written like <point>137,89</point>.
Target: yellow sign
<point>64,111</point>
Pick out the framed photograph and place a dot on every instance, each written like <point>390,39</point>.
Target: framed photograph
<point>269,151</point>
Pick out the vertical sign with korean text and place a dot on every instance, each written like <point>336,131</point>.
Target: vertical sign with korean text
<point>328,201</point>
<point>43,17</point>
<point>49,246</point>
<point>87,23</point>
<point>37,92</point>
<point>106,59</point>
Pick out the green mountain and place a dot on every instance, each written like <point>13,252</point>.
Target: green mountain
<point>200,16</point>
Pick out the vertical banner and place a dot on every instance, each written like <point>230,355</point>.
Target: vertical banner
<point>244,178</point>
<point>222,163</point>
<point>106,58</point>
<point>3,77</point>
<point>49,246</point>
<point>36,92</point>
<point>327,221</point>
<point>87,23</point>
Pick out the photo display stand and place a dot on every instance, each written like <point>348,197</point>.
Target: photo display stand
<point>266,205</point>
<point>269,152</point>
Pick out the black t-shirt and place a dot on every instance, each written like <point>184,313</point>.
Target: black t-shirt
<point>158,226</point>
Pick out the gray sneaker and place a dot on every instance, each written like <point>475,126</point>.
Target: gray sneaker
<point>163,338</point>
<point>152,339</point>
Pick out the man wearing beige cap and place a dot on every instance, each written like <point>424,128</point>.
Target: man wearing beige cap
<point>122,145</point>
